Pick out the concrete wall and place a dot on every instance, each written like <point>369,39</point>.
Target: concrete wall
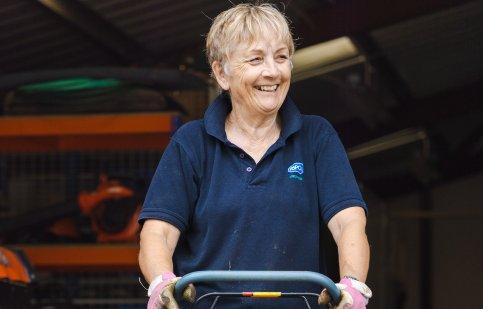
<point>458,245</point>
<point>457,248</point>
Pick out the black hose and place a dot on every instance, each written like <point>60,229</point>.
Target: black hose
<point>168,79</point>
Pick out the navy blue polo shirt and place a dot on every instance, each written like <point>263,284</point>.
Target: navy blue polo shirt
<point>234,214</point>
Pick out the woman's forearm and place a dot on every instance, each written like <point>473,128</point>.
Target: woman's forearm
<point>348,227</point>
<point>157,244</point>
<point>353,250</point>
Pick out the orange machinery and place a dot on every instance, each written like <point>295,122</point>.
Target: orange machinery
<point>146,131</point>
<point>15,278</point>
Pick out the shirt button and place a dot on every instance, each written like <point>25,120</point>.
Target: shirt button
<point>242,155</point>
<point>249,169</point>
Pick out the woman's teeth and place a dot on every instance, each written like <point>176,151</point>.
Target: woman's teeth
<point>267,88</point>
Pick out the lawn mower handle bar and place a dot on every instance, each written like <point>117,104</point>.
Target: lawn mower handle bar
<point>225,275</point>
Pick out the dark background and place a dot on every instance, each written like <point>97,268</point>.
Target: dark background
<point>410,113</point>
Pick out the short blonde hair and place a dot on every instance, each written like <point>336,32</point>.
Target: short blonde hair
<point>245,23</point>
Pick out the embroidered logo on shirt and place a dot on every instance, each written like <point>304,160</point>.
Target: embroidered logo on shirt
<point>296,171</point>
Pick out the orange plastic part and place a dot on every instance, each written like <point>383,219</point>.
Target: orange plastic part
<point>130,232</point>
<point>65,227</point>
<point>107,189</point>
<point>11,267</point>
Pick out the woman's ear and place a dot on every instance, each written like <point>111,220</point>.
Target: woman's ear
<point>220,75</point>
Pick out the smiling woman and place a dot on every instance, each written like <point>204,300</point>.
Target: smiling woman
<point>248,186</point>
<point>249,50</point>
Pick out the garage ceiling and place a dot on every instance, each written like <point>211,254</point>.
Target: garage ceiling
<point>436,52</point>
<point>423,64</point>
<point>39,34</point>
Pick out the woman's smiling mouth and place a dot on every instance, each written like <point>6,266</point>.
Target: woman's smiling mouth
<point>271,88</point>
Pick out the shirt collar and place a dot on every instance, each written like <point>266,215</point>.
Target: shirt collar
<point>216,113</point>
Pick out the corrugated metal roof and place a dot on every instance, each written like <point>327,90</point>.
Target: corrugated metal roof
<point>33,38</point>
<point>165,26</point>
<point>438,51</point>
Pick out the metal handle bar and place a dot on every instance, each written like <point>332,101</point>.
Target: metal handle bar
<point>228,275</point>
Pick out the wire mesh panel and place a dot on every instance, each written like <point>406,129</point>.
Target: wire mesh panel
<point>35,181</point>
<point>37,190</point>
<point>106,289</point>
<point>31,181</point>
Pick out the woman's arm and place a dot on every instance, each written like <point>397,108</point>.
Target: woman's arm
<point>158,241</point>
<point>348,227</point>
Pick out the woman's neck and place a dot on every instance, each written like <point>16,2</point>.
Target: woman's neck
<point>253,133</point>
<point>252,126</point>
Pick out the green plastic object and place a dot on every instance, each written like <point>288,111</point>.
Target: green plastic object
<point>71,84</point>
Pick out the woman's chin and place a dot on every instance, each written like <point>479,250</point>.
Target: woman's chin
<point>269,112</point>
<point>270,107</point>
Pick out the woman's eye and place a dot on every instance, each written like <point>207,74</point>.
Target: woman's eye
<point>282,57</point>
<point>255,60</point>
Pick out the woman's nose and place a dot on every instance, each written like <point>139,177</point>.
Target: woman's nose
<point>270,68</point>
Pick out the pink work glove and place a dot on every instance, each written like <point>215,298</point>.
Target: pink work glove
<point>161,292</point>
<point>355,295</point>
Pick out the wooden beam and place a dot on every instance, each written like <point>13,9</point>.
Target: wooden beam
<point>95,26</point>
<point>18,126</point>
<point>81,256</point>
<point>86,132</point>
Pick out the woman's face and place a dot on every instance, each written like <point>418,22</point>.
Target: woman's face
<point>258,75</point>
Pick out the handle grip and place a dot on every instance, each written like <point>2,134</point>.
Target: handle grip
<point>225,275</point>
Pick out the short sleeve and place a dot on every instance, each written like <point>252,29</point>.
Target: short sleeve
<point>173,190</point>
<point>336,184</point>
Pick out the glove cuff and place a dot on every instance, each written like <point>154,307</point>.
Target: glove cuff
<point>163,278</point>
<point>360,287</point>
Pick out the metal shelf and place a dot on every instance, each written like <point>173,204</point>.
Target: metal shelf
<point>81,256</point>
<point>87,132</point>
